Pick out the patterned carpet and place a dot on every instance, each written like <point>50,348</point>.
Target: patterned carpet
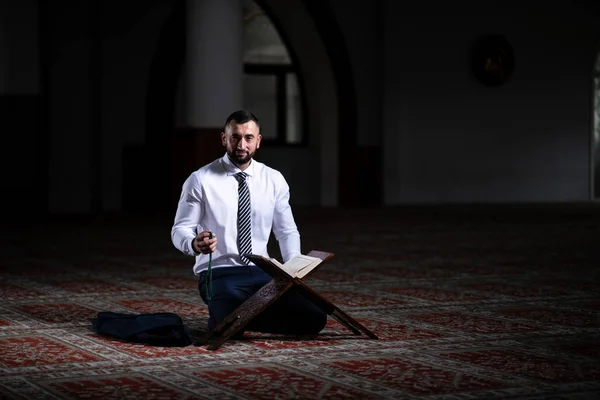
<point>469,303</point>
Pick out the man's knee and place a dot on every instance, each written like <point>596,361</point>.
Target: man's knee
<point>220,309</point>
<point>228,289</point>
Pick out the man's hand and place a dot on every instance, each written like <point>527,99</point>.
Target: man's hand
<point>202,244</point>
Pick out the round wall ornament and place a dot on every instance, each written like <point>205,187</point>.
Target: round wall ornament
<point>492,60</point>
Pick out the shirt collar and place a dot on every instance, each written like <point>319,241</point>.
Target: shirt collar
<point>233,169</point>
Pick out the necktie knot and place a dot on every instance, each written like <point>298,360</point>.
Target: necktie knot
<point>241,176</point>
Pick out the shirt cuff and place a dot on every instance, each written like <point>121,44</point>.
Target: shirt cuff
<point>192,250</point>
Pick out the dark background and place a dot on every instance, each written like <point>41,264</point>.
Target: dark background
<point>89,92</point>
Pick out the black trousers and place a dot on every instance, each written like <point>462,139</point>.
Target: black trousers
<point>292,313</point>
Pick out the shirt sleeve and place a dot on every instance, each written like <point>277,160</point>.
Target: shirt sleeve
<point>284,226</point>
<point>190,210</point>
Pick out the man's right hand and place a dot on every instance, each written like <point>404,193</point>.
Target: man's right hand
<point>202,244</point>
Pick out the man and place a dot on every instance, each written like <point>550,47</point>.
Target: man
<point>238,201</point>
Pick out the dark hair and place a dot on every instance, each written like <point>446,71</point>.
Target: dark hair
<point>241,117</point>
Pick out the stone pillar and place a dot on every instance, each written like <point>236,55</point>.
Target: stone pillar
<point>212,83</point>
<point>214,61</point>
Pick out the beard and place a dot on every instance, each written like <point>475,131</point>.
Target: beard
<point>239,158</point>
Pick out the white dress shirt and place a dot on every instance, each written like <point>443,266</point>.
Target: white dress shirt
<point>209,201</point>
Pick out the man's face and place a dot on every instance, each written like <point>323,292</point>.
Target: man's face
<point>241,142</point>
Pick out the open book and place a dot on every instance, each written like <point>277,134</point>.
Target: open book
<point>299,265</point>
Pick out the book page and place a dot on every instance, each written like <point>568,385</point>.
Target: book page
<point>276,262</point>
<point>299,263</point>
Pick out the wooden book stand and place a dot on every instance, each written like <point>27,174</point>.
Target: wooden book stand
<point>268,294</point>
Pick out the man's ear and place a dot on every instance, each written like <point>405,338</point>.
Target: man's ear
<point>223,139</point>
<point>258,138</point>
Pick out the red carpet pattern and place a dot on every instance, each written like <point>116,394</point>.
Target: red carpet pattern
<point>467,305</point>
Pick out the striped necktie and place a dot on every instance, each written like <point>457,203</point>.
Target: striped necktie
<point>244,217</point>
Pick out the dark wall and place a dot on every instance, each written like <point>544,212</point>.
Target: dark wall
<point>22,153</point>
<point>99,58</point>
<point>448,138</point>
<point>76,78</point>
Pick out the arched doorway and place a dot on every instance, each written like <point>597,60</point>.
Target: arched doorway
<point>273,86</point>
<point>314,38</point>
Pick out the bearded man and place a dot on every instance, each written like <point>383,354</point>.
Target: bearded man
<point>228,208</point>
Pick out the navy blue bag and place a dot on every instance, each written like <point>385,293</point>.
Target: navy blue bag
<point>157,329</point>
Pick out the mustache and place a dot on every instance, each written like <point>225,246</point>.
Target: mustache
<point>240,154</point>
